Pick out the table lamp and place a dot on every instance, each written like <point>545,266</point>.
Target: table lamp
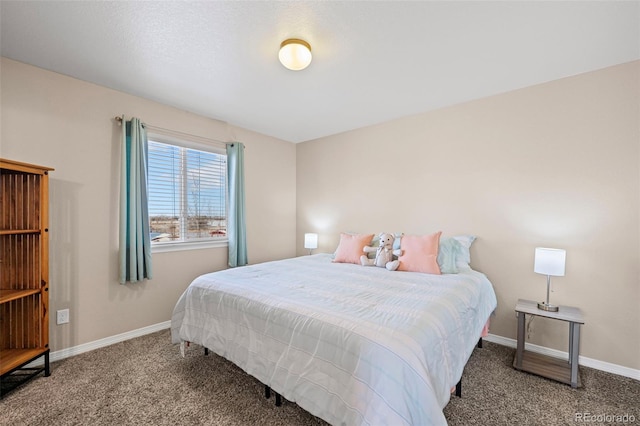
<point>549,261</point>
<point>310,241</point>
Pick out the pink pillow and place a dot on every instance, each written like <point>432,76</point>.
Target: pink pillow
<point>420,253</point>
<point>351,247</point>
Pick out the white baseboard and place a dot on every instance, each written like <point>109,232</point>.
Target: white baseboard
<point>101,343</point>
<point>582,360</point>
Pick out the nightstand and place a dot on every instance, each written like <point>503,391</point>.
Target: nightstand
<point>565,371</point>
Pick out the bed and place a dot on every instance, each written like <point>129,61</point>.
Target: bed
<point>350,344</point>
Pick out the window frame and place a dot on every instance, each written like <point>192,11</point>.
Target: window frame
<point>200,144</point>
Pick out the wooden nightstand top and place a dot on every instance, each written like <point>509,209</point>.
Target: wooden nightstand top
<point>565,313</point>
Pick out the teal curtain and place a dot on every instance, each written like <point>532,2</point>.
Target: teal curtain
<point>236,227</point>
<point>135,239</point>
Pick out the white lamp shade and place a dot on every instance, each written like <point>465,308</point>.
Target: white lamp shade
<point>310,241</point>
<point>549,261</point>
<point>295,54</point>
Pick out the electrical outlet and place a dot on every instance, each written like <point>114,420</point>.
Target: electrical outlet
<point>62,316</point>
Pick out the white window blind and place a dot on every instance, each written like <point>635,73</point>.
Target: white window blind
<point>187,194</point>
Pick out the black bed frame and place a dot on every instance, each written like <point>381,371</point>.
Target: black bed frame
<point>267,389</point>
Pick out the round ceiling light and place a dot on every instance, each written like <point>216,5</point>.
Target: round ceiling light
<point>295,54</point>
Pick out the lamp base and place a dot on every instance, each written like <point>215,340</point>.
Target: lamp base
<point>547,307</point>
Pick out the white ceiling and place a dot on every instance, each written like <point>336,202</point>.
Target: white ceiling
<point>372,61</point>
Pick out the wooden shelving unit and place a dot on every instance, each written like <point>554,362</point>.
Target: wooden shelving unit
<point>24,280</point>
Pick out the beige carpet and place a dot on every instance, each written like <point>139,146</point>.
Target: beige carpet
<point>144,381</point>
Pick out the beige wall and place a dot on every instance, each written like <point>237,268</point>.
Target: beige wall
<point>57,121</point>
<point>553,165</point>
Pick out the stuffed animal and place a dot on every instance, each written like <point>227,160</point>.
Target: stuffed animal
<point>384,253</point>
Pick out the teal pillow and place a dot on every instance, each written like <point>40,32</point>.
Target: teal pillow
<point>463,257</point>
<point>448,252</point>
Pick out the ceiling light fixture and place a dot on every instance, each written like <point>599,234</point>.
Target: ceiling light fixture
<point>295,54</point>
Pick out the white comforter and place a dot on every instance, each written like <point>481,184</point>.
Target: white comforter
<point>350,344</point>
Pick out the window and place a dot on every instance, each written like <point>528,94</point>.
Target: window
<point>187,192</point>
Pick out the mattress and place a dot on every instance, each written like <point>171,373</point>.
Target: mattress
<point>352,345</point>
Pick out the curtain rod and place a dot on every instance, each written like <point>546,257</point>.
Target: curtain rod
<point>173,132</point>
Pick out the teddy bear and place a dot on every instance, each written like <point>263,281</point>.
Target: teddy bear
<point>384,253</point>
